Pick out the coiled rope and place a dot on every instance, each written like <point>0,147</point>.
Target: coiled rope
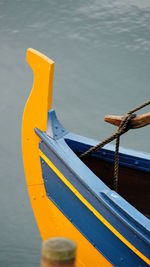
<point>123,128</point>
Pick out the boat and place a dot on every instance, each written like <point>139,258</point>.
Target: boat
<point>74,197</point>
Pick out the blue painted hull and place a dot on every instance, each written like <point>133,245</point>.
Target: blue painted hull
<point>119,231</point>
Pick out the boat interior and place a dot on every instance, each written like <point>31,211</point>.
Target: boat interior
<point>134,184</point>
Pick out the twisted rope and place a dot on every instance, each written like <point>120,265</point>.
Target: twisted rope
<point>123,128</point>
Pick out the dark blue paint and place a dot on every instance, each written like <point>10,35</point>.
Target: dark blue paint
<point>138,236</point>
<point>85,221</point>
<point>119,213</point>
<point>109,156</point>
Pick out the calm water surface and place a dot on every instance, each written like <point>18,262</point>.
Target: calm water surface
<point>102,55</point>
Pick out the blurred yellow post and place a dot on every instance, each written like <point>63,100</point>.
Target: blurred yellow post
<point>58,252</point>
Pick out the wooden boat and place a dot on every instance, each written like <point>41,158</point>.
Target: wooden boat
<point>74,198</point>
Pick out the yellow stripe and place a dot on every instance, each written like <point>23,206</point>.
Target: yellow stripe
<point>90,207</point>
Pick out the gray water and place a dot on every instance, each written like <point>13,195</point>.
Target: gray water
<point>102,55</point>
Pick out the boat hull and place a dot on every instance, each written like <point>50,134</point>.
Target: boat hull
<point>66,197</point>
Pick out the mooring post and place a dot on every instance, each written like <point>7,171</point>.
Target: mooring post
<point>58,252</point>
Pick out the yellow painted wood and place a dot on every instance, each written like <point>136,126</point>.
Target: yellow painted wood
<point>35,113</point>
<point>50,220</point>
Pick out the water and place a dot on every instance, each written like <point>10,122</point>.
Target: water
<point>102,55</point>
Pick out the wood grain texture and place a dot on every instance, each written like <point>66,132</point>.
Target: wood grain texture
<point>137,122</point>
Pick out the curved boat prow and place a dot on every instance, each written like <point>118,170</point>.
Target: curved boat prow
<point>70,197</point>
<point>50,220</point>
<point>36,113</point>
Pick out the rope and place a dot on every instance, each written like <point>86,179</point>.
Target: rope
<point>123,128</point>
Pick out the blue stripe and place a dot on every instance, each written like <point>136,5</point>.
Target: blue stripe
<point>85,221</point>
<point>108,212</point>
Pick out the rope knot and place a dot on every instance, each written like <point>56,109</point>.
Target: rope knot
<point>124,127</point>
<point>125,124</point>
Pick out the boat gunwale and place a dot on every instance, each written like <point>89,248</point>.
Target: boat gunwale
<point>142,223</point>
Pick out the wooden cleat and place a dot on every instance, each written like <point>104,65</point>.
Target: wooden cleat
<point>137,122</point>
